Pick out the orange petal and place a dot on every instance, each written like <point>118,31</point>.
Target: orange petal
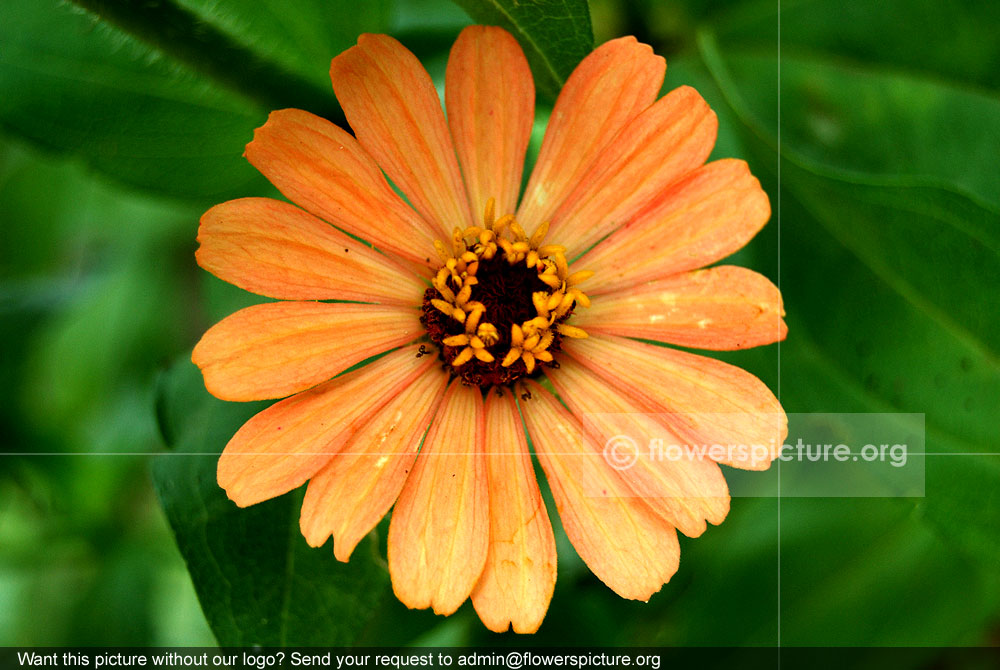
<point>280,348</point>
<point>627,545</point>
<point>707,402</point>
<point>520,574</point>
<point>684,488</point>
<point>394,109</point>
<point>706,216</point>
<point>609,88</point>
<point>723,308</point>
<point>353,492</point>
<point>439,533</point>
<point>320,167</point>
<point>286,444</point>
<point>490,97</point>
<point>671,138</point>
<point>275,249</point>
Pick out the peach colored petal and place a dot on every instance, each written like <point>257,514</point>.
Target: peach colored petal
<point>349,496</point>
<point>706,216</point>
<point>520,574</point>
<point>324,170</point>
<point>707,402</point>
<point>627,545</point>
<point>684,488</point>
<point>668,140</point>
<point>440,528</point>
<point>275,249</point>
<point>490,97</point>
<point>393,107</point>
<point>609,88</point>
<point>280,348</point>
<point>722,308</point>
<point>286,444</point>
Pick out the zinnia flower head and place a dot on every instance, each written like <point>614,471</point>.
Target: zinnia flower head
<point>471,299</point>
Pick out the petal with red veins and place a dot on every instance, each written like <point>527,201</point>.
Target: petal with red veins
<point>722,308</point>
<point>620,538</point>
<point>440,528</point>
<point>281,447</point>
<point>354,491</point>
<point>520,574</point>
<point>490,97</point>
<point>668,140</point>
<point>393,107</point>
<point>275,249</point>
<point>609,88</point>
<point>324,170</point>
<point>708,403</point>
<point>685,488</point>
<point>704,217</point>
<point>280,348</point>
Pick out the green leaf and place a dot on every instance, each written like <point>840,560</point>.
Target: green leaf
<point>267,50</point>
<point>258,581</point>
<point>889,223</point>
<point>165,95</point>
<point>555,34</point>
<point>953,40</point>
<point>74,83</point>
<point>867,124</point>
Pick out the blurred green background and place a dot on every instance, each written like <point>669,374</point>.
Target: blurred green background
<point>874,127</point>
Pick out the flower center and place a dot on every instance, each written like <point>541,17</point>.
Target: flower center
<point>500,301</point>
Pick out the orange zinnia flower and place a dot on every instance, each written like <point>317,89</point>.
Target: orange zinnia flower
<point>477,297</point>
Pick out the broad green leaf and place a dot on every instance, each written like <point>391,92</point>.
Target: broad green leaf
<point>861,346</point>
<point>274,53</point>
<point>165,95</point>
<point>866,124</point>
<point>889,249</point>
<point>300,38</point>
<point>555,34</point>
<point>73,83</point>
<point>952,40</point>
<point>258,581</point>
<point>90,299</point>
<point>869,570</point>
<point>819,572</point>
<point>92,303</point>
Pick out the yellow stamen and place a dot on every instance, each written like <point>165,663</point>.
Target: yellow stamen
<point>539,235</point>
<point>488,214</point>
<point>579,277</point>
<point>463,296</point>
<point>571,331</point>
<point>463,357</point>
<point>529,361</point>
<point>487,332</point>
<point>580,297</point>
<point>544,344</point>
<point>541,301</point>
<point>442,252</point>
<point>551,280</point>
<point>445,307</point>
<point>456,278</point>
<point>511,358</point>
<point>516,335</point>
